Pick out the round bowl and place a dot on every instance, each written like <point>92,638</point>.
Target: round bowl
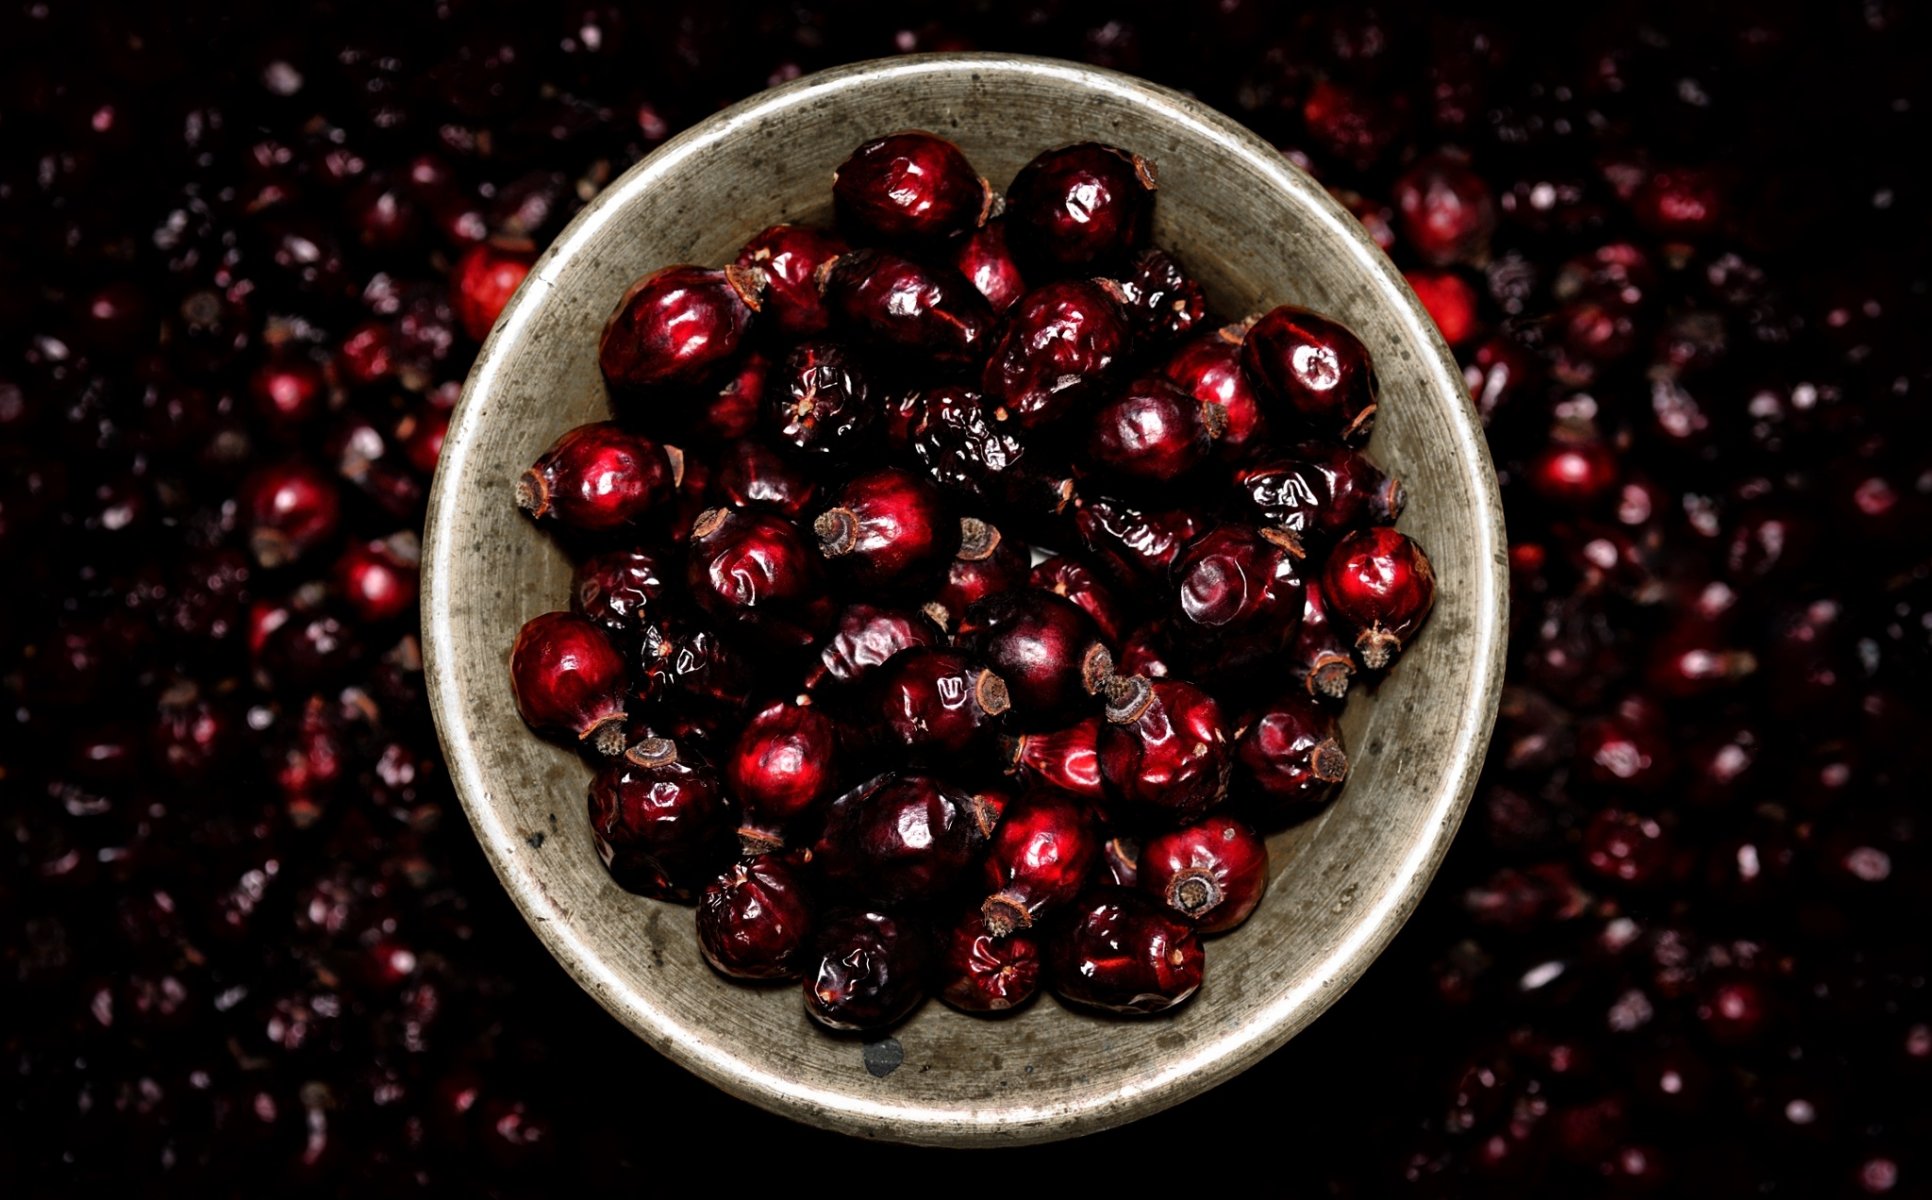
<point>1258,232</point>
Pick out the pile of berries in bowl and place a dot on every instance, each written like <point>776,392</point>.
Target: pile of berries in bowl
<point>957,600</point>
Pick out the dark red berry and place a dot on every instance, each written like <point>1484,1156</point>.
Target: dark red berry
<point>1164,303</point>
<point>1080,207</point>
<point>900,837</point>
<point>1379,584</point>
<point>1136,545</point>
<point>909,186</point>
<point>1067,759</point>
<point>569,678</point>
<point>755,920</point>
<point>1353,492</point>
<point>964,443</point>
<point>758,568</point>
<point>982,972</point>
<point>753,475</point>
<point>598,477</point>
<point>867,971</point>
<point>1165,753</point>
<point>1577,471</point>
<point>1446,210</point>
<point>864,638</point>
<point>678,325</point>
<point>1238,590</point>
<point>937,704</point>
<point>379,580</point>
<point>1450,301</point>
<point>1038,860</point>
<point>983,258</point>
<point>789,256</point>
<point>1626,847</point>
<point>1066,576</point>
<point>482,283</point>
<point>662,821</point>
<point>1212,873</point>
<point>290,509</point>
<point>986,564</point>
<point>1122,953</point>
<point>897,303</point>
<point>1152,433</point>
<point>1208,368</point>
<point>734,410</point>
<point>1290,757</point>
<point>1313,372</point>
<point>822,400</point>
<point>784,764</point>
<point>888,528</point>
<point>1054,349</point>
<point>1317,657</point>
<point>289,391</point>
<point>697,670</point>
<point>1045,648</point>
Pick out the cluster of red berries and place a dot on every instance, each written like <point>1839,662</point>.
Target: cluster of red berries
<point>889,645</point>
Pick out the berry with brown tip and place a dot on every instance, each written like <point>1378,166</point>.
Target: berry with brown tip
<point>909,187</point>
<point>1314,371</point>
<point>864,638</point>
<point>1290,757</point>
<point>789,258</point>
<point>900,837</point>
<point>755,920</point>
<point>678,325</point>
<point>983,973</point>
<point>888,528</point>
<point>1055,348</point>
<point>867,971</point>
<point>1120,952</point>
<point>1066,759</point>
<point>1208,368</point>
<point>758,568</point>
<point>934,703</point>
<point>662,821</point>
<point>1038,860</point>
<point>1152,433</point>
<point>598,477</point>
<point>1165,752</point>
<point>987,564</point>
<point>903,305</point>
<point>821,401</point>
<point>1317,656</point>
<point>1379,584</point>
<point>1163,302</point>
<point>1080,207</point>
<point>784,764</point>
<point>1238,591</point>
<point>621,590</point>
<point>567,677</point>
<point>1044,646</point>
<point>1212,873</point>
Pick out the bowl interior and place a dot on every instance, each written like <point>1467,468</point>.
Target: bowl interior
<point>1258,233</point>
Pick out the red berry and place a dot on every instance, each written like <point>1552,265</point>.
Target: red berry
<point>1080,207</point>
<point>1238,591</point>
<point>822,402</point>
<point>864,638</point>
<point>1317,657</point>
<point>983,258</point>
<point>703,673</point>
<point>1313,371</point>
<point>661,819</point>
<point>1208,368</point>
<point>1163,302</point>
<point>901,305</point>
<point>1038,860</point>
<point>867,971</point>
<point>967,444</point>
<point>937,704</point>
<point>567,677</point>
<point>1070,577</point>
<point>1066,759</point>
<point>789,257</point>
<point>482,283</point>
<point>1055,348</point>
<point>753,475</point>
<point>289,391</point>
<point>1164,752</point>
<point>620,590</point>
<point>1290,757</point>
<point>1352,491</point>
<point>1446,209</point>
<point>677,325</point>
<point>1136,545</point>
<point>290,509</point>
<point>784,764</point>
<point>755,920</point>
<point>888,528</point>
<point>1152,433</point>
<point>982,972</point>
<point>1379,584</point>
<point>1449,301</point>
<point>1122,953</point>
<point>758,568</point>
<point>986,565</point>
<point>1212,873</point>
<point>379,580</point>
<point>898,838</point>
<point>1043,646</point>
<point>909,187</point>
<point>598,477</point>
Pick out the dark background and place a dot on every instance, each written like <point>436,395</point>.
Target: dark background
<point>248,943</point>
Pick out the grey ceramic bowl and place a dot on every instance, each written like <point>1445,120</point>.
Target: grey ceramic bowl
<point>1258,232</point>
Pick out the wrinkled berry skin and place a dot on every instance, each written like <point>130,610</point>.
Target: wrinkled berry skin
<point>755,920</point>
<point>1038,860</point>
<point>1152,433</point>
<point>694,669</point>
<point>753,475</point>
<point>1055,348</point>
<point>909,187</point>
<point>1138,546</point>
<point>677,326</point>
<point>1290,759</point>
<point>867,971</point>
<point>784,764</point>
<point>821,402</point>
<point>1163,302</point>
<point>1313,372</point>
<point>987,564</point>
<point>1080,208</point>
<point>1212,873</point>
<point>789,256</point>
<point>1165,753</point>
<point>963,444</point>
<point>1379,584</point>
<point>1238,593</point>
<point>1064,759</point>
<point>901,305</point>
<point>596,478</point>
<point>1317,656</point>
<point>662,820</point>
<point>864,638</point>
<point>1044,646</point>
<point>1070,577</point>
<point>899,838</point>
<point>757,567</point>
<point>1355,492</point>
<point>982,973</point>
<point>567,677</point>
<point>935,704</point>
<point>1119,952</point>
<point>986,262</point>
<point>621,590</point>
<point>889,528</point>
<point>1208,368</point>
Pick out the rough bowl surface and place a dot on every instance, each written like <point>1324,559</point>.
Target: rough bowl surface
<point>1259,232</point>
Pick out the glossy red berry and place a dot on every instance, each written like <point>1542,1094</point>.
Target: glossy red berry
<point>789,257</point>
<point>899,838</point>
<point>734,409</point>
<point>1317,657</point>
<point>1163,302</point>
<point>821,401</point>
<point>1055,348</point>
<point>1352,491</point>
<point>986,262</point>
<point>867,971</point>
<point>1290,758</point>
<point>1038,860</point>
<point>1065,759</point>
<point>1313,371</point>
<point>755,920</point>
<point>678,325</point>
<point>982,972</point>
<point>753,475</point>
<point>937,704</point>
<point>1080,207</point>
<point>864,638</point>
<point>1136,545</point>
<point>662,821</point>
<point>1577,471</point>
<point>1446,211</point>
<point>290,509</point>
<point>909,187</point>
<point>986,564</point>
<point>758,568</point>
<point>1212,873</point>
<point>289,391</point>
<point>1064,575</point>
<point>598,477</point>
<point>784,764</point>
<point>1238,590</point>
<point>1120,952</point>
<point>1165,752</point>
<point>482,283</point>
<point>896,303</point>
<point>1379,584</point>
<point>964,443</point>
<point>1208,368</point>
<point>379,580</point>
<point>1151,433</point>
<point>889,528</point>
<point>702,673</point>
<point>1043,646</point>
<point>567,677</point>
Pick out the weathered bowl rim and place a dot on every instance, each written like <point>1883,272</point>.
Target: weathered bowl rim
<point>1216,1058</point>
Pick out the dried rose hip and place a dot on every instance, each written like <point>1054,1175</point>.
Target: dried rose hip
<point>1380,584</point>
<point>1165,752</point>
<point>1038,860</point>
<point>909,187</point>
<point>755,920</point>
<point>1056,346</point>
<point>1080,207</point>
<point>568,677</point>
<point>1314,371</point>
<point>789,256</point>
<point>900,837</point>
<point>1123,953</point>
<point>598,477</point>
<point>867,971</point>
<point>902,305</point>
<point>662,820</point>
<point>678,325</point>
<point>982,972</point>
<point>1212,873</point>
